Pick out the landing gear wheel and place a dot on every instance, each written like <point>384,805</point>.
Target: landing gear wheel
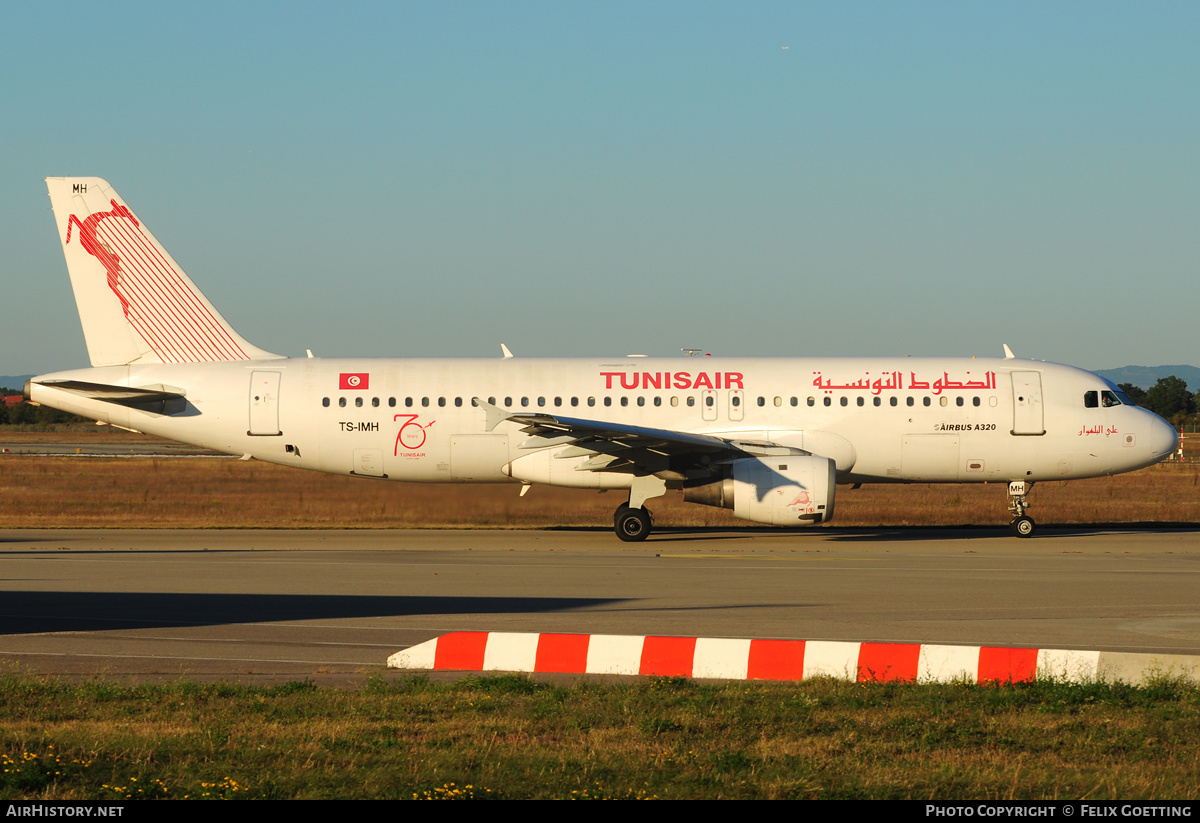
<point>621,509</point>
<point>632,525</point>
<point>1022,526</point>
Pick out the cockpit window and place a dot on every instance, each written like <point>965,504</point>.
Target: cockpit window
<point>1114,396</point>
<point>1106,398</point>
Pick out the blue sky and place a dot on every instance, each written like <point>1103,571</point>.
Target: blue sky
<point>423,179</point>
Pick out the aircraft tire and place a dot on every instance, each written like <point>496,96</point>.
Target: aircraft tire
<point>1023,526</point>
<point>621,509</point>
<point>632,525</point>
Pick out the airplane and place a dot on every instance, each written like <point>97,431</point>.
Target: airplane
<point>768,438</point>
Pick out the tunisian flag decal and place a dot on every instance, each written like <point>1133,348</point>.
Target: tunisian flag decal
<point>354,381</point>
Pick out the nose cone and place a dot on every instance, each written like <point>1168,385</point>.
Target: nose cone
<point>1163,440</point>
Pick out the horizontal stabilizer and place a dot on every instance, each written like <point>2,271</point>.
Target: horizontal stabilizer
<point>158,399</point>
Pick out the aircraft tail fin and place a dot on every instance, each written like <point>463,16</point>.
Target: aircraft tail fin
<point>135,303</point>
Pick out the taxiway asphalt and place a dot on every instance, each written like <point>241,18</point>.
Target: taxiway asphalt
<point>331,606</point>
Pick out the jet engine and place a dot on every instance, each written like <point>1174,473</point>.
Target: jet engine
<point>788,490</point>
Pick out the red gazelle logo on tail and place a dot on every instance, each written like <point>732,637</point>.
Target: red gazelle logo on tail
<point>99,249</point>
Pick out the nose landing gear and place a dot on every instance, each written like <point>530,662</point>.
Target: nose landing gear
<point>1022,525</point>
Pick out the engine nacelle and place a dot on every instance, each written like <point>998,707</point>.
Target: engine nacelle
<point>790,490</point>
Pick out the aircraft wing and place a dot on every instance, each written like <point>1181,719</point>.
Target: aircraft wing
<point>620,447</point>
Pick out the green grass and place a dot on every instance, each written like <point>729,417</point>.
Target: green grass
<point>514,737</point>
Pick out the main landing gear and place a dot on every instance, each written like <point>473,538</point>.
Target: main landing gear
<point>632,525</point>
<point>632,521</point>
<point>1022,525</point>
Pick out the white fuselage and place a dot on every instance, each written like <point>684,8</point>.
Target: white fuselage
<point>767,438</point>
<point>878,419</point>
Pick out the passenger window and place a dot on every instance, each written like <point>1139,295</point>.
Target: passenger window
<point>342,402</point>
<point>958,401</point>
<point>458,402</point>
<point>846,401</point>
<point>424,401</point>
<point>608,401</point>
<point>358,402</point>
<point>945,401</point>
<point>375,402</point>
<point>674,401</point>
<point>658,401</point>
<point>910,401</point>
<point>392,402</point>
<point>524,401</point>
<point>1091,400</point>
<point>828,401</point>
<point>541,401</point>
<point>778,402</point>
<point>736,401</point>
<point>574,401</point>
<point>878,401</point>
<point>861,401</point>
<point>795,401</point>
<point>558,401</point>
<point>691,401</point>
<point>441,401</point>
<point>708,401</point>
<point>325,402</point>
<point>812,401</point>
<point>893,401</point>
<point>408,402</point>
<point>641,401</point>
<point>591,401</point>
<point>508,402</point>
<point>762,401</point>
<point>624,401</point>
<point>974,401</point>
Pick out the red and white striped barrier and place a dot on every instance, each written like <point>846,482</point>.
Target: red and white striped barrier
<point>731,659</point>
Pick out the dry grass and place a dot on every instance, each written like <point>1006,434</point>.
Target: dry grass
<point>71,492</point>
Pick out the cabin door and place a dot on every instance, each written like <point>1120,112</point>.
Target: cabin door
<point>1027,403</point>
<point>264,404</point>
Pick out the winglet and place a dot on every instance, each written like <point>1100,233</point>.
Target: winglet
<point>1008,355</point>
<point>507,353</point>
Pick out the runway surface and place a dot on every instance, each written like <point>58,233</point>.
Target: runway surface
<point>266,606</point>
<point>132,446</point>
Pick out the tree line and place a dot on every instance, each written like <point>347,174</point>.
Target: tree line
<point>1169,398</point>
<point>27,414</point>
